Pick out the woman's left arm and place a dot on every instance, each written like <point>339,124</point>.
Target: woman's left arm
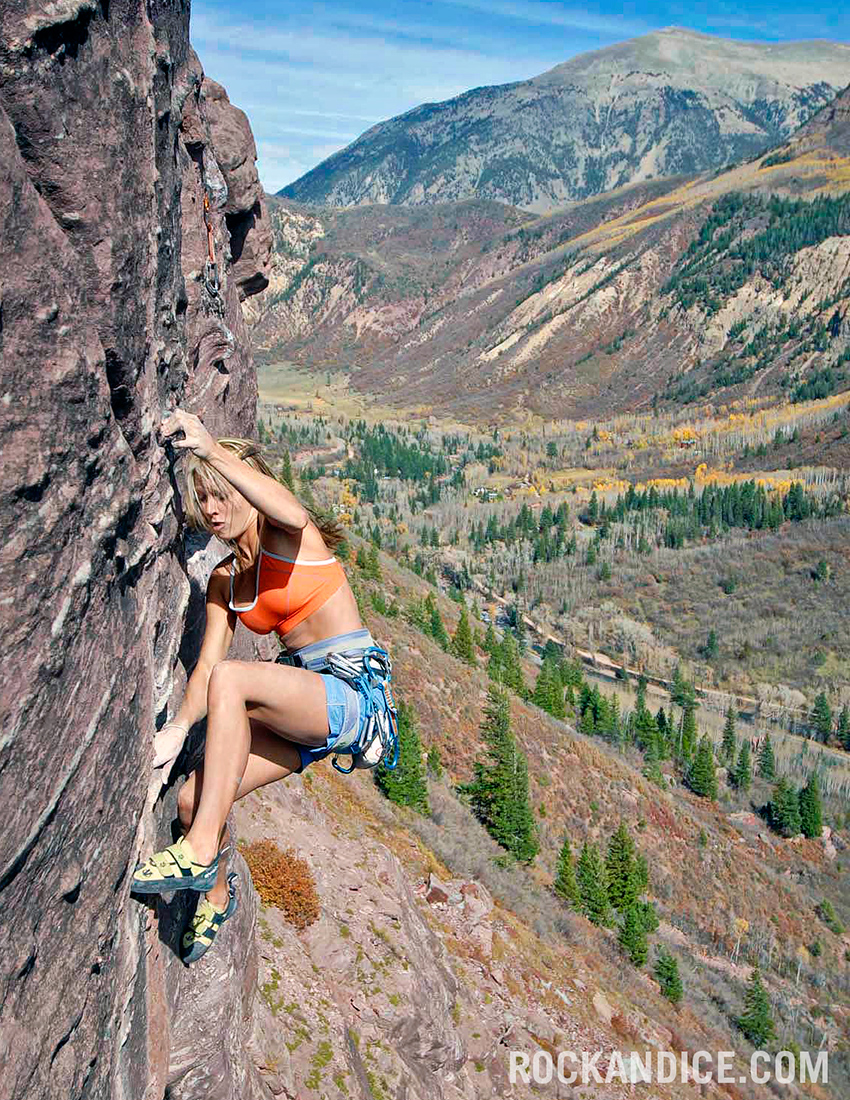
<point>271,497</point>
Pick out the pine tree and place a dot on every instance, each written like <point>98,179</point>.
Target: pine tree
<point>652,763</point>
<point>436,629</point>
<point>784,808</point>
<point>462,644</point>
<point>434,762</point>
<point>548,691</point>
<point>688,733</point>
<point>844,728</point>
<point>405,784</point>
<point>823,717</point>
<point>632,936</point>
<point>766,759</point>
<point>373,564</point>
<point>742,774</point>
<point>728,745</point>
<point>756,1021</point>
<point>811,817</point>
<point>506,664</point>
<point>667,976</point>
<point>620,869</point>
<point>491,643</point>
<point>286,472</point>
<point>700,776</point>
<point>566,886</point>
<point>593,888</point>
<point>499,790</point>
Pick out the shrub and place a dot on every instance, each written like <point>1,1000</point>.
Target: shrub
<point>284,880</point>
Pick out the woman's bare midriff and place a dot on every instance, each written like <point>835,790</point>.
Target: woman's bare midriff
<point>338,615</point>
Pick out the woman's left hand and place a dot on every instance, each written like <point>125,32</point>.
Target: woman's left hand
<point>196,437</point>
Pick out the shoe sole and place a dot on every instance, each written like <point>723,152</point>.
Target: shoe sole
<point>192,957</point>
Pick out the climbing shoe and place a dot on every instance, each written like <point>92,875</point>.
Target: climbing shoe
<point>203,927</point>
<point>175,868</point>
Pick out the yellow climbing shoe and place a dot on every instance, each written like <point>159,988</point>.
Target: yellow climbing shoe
<point>203,927</point>
<point>175,868</point>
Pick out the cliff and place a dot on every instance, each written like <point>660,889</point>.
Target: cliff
<point>109,316</point>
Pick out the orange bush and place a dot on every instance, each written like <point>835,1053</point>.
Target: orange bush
<point>284,880</point>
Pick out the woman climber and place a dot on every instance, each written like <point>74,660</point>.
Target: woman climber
<point>327,693</point>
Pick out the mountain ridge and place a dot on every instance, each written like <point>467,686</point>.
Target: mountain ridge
<point>625,113</point>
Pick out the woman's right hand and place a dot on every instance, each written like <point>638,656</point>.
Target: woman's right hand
<point>167,744</point>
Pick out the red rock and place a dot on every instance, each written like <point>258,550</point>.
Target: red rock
<point>437,891</point>
<point>105,323</point>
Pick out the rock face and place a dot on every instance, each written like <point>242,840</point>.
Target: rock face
<point>670,102</point>
<point>109,135</point>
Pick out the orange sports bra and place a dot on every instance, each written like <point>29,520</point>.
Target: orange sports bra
<point>287,591</point>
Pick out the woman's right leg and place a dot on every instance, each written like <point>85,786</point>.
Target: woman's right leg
<point>271,758</point>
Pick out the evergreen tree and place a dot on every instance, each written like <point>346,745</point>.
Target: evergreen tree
<point>490,641</point>
<point>700,776</point>
<point>811,817</point>
<point>499,790</point>
<point>844,728</point>
<point>728,745</point>
<point>504,665</point>
<point>462,643</point>
<point>756,1021</point>
<point>667,976</point>
<point>373,565</point>
<point>632,936</point>
<point>688,733</point>
<point>593,888</point>
<point>549,690</point>
<point>742,774</point>
<point>436,626</point>
<point>652,763</point>
<point>286,472</point>
<point>766,759</point>
<point>566,886</point>
<point>823,717</point>
<point>434,762</point>
<point>647,915</point>
<point>405,784</point>
<point>711,648</point>
<point>784,808</point>
<point>620,869</point>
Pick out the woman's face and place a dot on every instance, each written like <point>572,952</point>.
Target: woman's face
<point>227,516</point>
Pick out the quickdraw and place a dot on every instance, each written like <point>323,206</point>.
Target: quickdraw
<point>370,676</point>
<point>211,279</point>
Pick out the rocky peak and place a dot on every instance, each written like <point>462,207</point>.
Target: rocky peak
<point>670,102</point>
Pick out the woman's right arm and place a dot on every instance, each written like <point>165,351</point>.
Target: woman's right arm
<point>218,634</point>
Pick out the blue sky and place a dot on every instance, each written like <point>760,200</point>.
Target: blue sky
<point>313,76</point>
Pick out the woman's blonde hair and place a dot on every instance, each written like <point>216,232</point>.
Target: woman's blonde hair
<point>200,472</point>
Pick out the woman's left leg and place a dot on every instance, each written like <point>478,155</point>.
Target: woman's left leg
<point>289,701</point>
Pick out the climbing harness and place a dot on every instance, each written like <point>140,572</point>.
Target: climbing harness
<point>368,672</point>
<point>211,280</point>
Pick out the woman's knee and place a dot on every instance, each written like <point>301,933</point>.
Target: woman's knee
<point>224,679</point>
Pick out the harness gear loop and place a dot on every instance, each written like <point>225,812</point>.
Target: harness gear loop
<point>369,674</point>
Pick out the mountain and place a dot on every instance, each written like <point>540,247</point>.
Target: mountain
<point>478,310</point>
<point>670,102</point>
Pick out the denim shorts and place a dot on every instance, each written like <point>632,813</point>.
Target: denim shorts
<point>343,720</point>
